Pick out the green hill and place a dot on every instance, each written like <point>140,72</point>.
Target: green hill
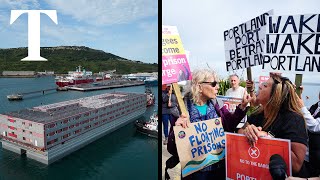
<point>62,59</point>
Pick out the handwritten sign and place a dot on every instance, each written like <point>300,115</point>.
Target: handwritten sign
<point>244,43</point>
<point>292,43</point>
<point>200,145</point>
<point>246,162</point>
<point>175,67</point>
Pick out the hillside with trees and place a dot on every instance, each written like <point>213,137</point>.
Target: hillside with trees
<point>62,59</point>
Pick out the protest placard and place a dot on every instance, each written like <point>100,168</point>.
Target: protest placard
<point>175,67</point>
<point>231,104</point>
<point>244,43</point>
<point>293,43</point>
<point>246,162</point>
<point>200,145</point>
<point>263,79</point>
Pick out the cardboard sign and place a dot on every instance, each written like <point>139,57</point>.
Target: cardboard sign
<point>230,103</point>
<point>263,79</point>
<point>244,44</point>
<point>246,162</point>
<point>200,145</point>
<point>292,44</point>
<point>175,67</point>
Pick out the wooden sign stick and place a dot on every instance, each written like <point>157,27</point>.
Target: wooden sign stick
<point>298,82</point>
<point>181,104</point>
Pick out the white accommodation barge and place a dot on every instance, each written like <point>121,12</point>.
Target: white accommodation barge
<point>48,133</point>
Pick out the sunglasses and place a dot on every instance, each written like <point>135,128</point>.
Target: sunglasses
<point>213,84</point>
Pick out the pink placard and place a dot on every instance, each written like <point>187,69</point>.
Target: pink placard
<point>175,68</point>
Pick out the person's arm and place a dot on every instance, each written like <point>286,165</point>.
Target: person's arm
<point>298,152</point>
<point>231,120</point>
<point>165,97</point>
<point>169,101</point>
<point>313,124</point>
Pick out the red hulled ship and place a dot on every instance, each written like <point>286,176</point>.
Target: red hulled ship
<point>80,76</point>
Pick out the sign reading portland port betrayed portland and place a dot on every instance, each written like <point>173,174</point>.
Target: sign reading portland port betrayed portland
<point>244,43</point>
<point>293,43</point>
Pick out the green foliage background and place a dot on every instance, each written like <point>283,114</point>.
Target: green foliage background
<point>67,58</point>
<point>224,85</point>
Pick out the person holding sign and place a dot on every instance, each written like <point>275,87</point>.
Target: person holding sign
<point>280,117</point>
<point>315,109</point>
<point>313,125</point>
<point>201,105</point>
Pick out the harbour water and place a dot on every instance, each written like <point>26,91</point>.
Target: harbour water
<point>123,154</point>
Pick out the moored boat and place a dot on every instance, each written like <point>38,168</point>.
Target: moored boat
<point>149,128</point>
<point>15,97</point>
<point>80,76</point>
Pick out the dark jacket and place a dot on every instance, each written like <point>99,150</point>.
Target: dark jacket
<point>313,108</point>
<point>173,110</point>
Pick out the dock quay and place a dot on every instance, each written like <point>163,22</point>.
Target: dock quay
<point>110,85</point>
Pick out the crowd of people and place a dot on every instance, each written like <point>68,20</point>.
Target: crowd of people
<point>280,113</point>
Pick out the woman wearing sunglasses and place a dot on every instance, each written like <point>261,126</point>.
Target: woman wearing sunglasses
<point>201,105</point>
<point>279,117</point>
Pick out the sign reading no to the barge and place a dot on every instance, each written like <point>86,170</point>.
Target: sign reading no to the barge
<point>293,43</point>
<point>244,44</point>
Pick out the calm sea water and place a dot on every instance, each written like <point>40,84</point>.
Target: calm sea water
<point>123,154</point>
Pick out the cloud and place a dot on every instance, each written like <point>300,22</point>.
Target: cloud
<point>106,12</point>
<point>150,27</point>
<point>19,4</point>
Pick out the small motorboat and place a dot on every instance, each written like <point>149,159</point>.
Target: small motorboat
<point>149,128</point>
<point>13,97</point>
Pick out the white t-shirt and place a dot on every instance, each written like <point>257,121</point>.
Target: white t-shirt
<point>238,93</point>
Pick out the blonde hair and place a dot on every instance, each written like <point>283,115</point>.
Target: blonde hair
<point>198,76</point>
<point>283,97</point>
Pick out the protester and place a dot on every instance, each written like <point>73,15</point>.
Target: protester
<point>236,90</point>
<point>280,117</point>
<point>201,105</point>
<point>313,154</point>
<point>169,105</point>
<point>315,109</point>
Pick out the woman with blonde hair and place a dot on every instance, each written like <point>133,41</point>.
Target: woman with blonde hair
<point>201,106</point>
<point>280,117</point>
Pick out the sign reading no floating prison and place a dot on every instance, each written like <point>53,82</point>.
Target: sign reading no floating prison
<point>244,44</point>
<point>293,43</point>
